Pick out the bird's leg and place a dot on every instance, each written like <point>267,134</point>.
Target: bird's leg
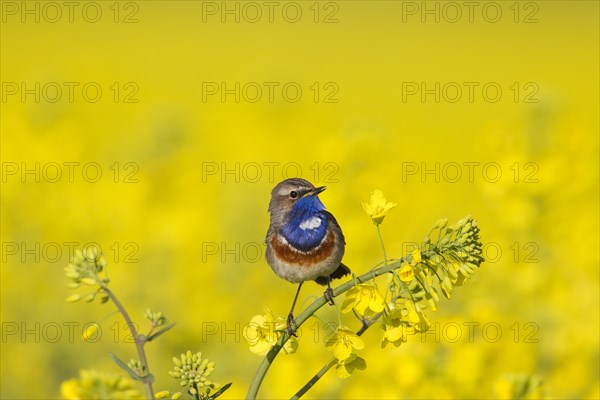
<point>291,322</point>
<point>329,292</point>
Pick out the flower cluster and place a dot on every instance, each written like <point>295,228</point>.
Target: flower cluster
<point>450,260</point>
<point>190,369</point>
<point>403,318</point>
<point>193,372</point>
<point>84,269</point>
<point>95,385</point>
<point>156,318</point>
<point>264,331</point>
<point>436,267</point>
<point>137,367</point>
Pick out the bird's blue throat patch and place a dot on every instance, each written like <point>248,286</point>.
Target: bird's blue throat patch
<point>307,224</point>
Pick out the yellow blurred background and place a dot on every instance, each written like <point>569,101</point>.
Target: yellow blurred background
<point>192,112</point>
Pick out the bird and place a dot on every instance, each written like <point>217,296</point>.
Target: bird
<point>304,241</point>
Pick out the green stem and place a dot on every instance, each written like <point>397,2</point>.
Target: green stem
<point>305,315</point>
<point>387,288</point>
<point>382,246</point>
<point>315,379</point>
<point>139,341</point>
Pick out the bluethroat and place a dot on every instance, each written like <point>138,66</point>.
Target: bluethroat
<point>304,241</point>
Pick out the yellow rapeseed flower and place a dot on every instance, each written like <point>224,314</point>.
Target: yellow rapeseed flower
<point>263,331</point>
<point>365,299</point>
<point>406,273</point>
<point>377,207</point>
<point>416,257</point>
<point>402,320</point>
<point>342,343</point>
<point>260,333</point>
<point>395,335</point>
<point>346,367</point>
<point>395,329</point>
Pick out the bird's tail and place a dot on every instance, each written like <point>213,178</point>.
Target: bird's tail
<point>340,272</point>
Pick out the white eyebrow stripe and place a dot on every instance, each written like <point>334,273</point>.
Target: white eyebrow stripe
<point>285,191</point>
<point>311,223</point>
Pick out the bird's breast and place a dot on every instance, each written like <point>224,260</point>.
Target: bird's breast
<point>286,252</point>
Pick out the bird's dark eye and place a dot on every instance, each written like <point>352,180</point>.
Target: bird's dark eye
<point>293,194</point>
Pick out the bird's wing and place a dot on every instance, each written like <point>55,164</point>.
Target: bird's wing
<point>331,218</point>
<point>340,272</point>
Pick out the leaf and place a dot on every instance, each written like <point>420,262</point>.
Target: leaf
<point>160,332</point>
<point>124,366</point>
<point>220,391</point>
<point>146,379</point>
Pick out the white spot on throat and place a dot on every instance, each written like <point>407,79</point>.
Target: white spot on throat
<point>311,223</point>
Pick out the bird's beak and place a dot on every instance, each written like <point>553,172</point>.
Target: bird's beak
<point>315,191</point>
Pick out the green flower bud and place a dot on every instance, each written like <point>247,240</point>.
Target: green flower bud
<point>73,298</point>
<point>88,298</point>
<point>440,223</point>
<point>162,394</point>
<point>89,281</point>
<point>78,257</point>
<point>91,253</point>
<point>90,331</point>
<point>101,263</point>
<point>72,274</point>
<point>466,227</point>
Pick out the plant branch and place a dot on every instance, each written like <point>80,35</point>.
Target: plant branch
<point>315,379</point>
<point>306,314</point>
<point>139,340</point>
